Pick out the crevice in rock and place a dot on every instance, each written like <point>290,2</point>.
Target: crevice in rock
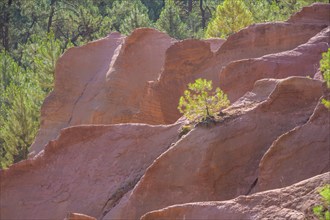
<point>252,186</point>
<point>117,195</point>
<point>79,97</point>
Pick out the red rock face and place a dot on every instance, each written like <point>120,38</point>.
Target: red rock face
<point>102,82</point>
<point>293,202</point>
<point>92,158</point>
<point>121,80</point>
<point>208,164</point>
<point>194,60</point>
<point>307,146</point>
<point>317,13</point>
<point>79,70</point>
<point>238,77</point>
<point>86,170</point>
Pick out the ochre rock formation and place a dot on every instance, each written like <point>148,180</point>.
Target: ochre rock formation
<point>299,154</point>
<point>86,170</point>
<point>122,80</point>
<point>77,69</point>
<point>252,42</point>
<point>317,13</point>
<point>238,77</point>
<point>102,82</point>
<point>94,156</point>
<point>221,162</point>
<point>292,202</point>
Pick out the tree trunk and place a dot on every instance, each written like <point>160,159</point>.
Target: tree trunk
<point>190,4</point>
<point>202,13</point>
<point>51,15</point>
<point>5,26</point>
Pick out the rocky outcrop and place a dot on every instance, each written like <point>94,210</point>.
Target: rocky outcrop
<point>274,134</point>
<point>182,63</point>
<point>297,155</point>
<point>317,13</point>
<point>238,77</point>
<point>252,42</point>
<point>77,69</point>
<point>122,80</point>
<point>294,202</point>
<point>208,163</point>
<point>261,39</point>
<point>86,169</point>
<point>95,85</point>
<point>140,60</point>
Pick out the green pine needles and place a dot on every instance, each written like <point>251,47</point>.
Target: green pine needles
<point>230,17</point>
<point>322,211</point>
<point>325,69</point>
<point>199,102</point>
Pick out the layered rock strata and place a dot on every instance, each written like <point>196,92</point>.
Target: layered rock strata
<point>86,169</point>
<point>208,163</point>
<point>294,202</point>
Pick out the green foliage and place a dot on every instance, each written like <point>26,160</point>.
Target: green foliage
<point>9,69</point>
<point>40,56</point>
<point>199,102</point>
<point>273,10</point>
<point>325,69</point>
<point>233,15</point>
<point>77,21</point>
<point>21,99</point>
<point>265,11</point>
<point>23,88</point>
<point>230,17</point>
<point>127,15</point>
<point>154,8</point>
<point>19,122</point>
<point>137,17</point>
<point>322,211</point>
<point>170,21</point>
<point>289,7</point>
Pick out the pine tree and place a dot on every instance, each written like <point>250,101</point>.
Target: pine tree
<point>19,113</point>
<point>40,56</point>
<point>19,122</point>
<point>154,8</point>
<point>325,69</point>
<point>230,17</point>
<point>138,17</point>
<point>199,102</point>
<point>170,21</point>
<point>22,93</point>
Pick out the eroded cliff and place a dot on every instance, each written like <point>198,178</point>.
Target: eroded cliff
<point>109,143</point>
